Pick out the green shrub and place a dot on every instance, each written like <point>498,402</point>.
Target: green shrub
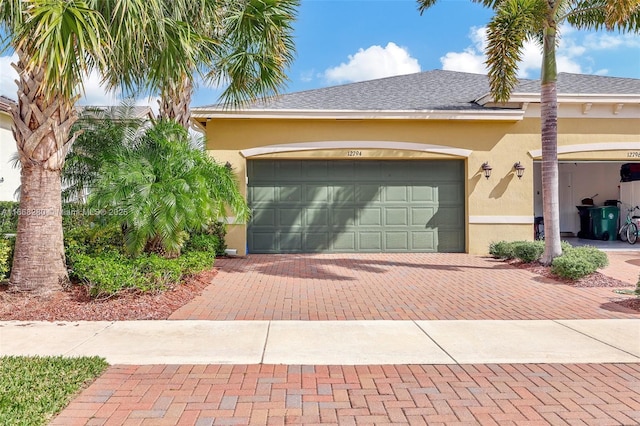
<point>502,250</point>
<point>194,262</point>
<point>8,217</point>
<point>106,273</point>
<point>203,242</point>
<point>579,262</point>
<point>158,272</point>
<point>5,256</point>
<point>528,251</point>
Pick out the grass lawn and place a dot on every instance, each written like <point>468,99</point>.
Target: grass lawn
<point>34,389</point>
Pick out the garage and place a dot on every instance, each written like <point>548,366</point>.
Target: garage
<point>312,206</point>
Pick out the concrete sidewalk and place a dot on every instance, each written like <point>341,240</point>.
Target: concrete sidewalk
<point>330,342</point>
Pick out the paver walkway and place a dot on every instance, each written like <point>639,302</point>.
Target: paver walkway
<point>532,394</point>
<point>394,286</point>
<point>380,286</point>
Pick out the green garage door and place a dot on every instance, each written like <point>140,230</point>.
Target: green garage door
<point>356,206</point>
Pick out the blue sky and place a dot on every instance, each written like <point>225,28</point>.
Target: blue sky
<point>342,41</point>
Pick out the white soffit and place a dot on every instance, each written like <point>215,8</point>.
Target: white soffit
<point>314,146</point>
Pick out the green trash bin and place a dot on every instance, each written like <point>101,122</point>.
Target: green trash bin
<point>605,222</point>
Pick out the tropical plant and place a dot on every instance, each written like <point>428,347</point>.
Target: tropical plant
<point>516,21</point>
<point>160,188</point>
<point>243,45</point>
<point>103,132</point>
<point>57,43</point>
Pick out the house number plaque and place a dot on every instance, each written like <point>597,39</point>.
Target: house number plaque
<point>633,154</point>
<point>354,153</point>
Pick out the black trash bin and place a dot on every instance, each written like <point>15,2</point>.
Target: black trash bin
<point>586,222</point>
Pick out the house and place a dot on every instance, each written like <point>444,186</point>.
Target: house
<point>9,175</point>
<point>423,162</point>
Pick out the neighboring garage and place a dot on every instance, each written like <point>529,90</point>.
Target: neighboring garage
<point>308,206</point>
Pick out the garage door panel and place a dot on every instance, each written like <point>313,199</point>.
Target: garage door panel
<point>344,241</point>
<point>315,217</point>
<point>289,217</point>
<point>316,241</point>
<point>264,217</point>
<point>290,242</point>
<point>351,206</point>
<point>397,241</point>
<point>316,193</point>
<point>450,240</point>
<point>423,194</point>
<point>343,217</point>
<point>262,242</point>
<point>290,193</point>
<point>450,193</point>
<point>370,241</point>
<point>316,169</point>
<point>261,194</point>
<point>371,216</point>
<point>367,194</point>
<point>396,216</point>
<point>289,170</point>
<point>423,241</point>
<point>396,193</point>
<point>344,193</point>
<point>422,216</point>
<point>448,216</point>
<point>263,170</point>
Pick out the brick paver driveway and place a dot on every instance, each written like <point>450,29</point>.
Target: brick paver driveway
<point>380,286</point>
<point>391,287</point>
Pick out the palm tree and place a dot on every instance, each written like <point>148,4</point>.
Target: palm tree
<point>57,43</point>
<point>516,21</point>
<point>246,45</point>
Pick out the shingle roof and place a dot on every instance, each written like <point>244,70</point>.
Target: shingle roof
<point>430,90</point>
<point>586,84</point>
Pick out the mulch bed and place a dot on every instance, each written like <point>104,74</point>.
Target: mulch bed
<point>76,305</point>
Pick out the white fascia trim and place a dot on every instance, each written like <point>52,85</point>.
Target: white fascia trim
<point>499,115</point>
<point>503,220</point>
<point>592,147</point>
<point>313,146</point>
<point>576,98</point>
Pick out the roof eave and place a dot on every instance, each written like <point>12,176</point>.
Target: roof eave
<point>200,114</point>
<point>567,98</point>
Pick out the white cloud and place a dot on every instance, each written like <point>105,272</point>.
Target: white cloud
<point>8,75</point>
<point>374,62</point>
<point>472,59</point>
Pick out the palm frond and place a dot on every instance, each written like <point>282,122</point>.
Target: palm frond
<point>515,22</point>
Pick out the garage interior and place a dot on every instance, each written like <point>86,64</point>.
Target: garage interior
<point>583,180</point>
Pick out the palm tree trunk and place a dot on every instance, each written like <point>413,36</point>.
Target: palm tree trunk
<point>41,125</point>
<point>175,102</point>
<point>549,131</point>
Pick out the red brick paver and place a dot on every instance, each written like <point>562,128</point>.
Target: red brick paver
<point>386,286</point>
<point>523,394</point>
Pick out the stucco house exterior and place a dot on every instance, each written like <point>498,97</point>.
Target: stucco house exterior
<point>396,164</point>
<point>9,176</point>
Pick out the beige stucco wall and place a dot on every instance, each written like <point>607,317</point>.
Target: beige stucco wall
<point>497,208</point>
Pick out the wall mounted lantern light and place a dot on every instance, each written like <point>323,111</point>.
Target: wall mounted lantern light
<point>519,168</point>
<point>486,169</point>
